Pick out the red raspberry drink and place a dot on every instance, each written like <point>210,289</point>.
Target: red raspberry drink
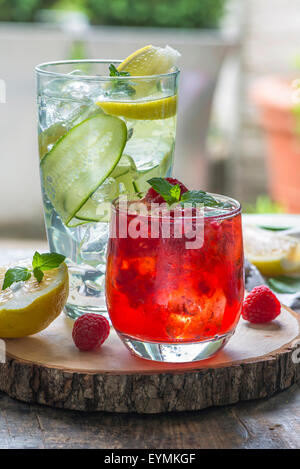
<point>171,298</point>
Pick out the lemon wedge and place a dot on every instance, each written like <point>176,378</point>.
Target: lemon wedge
<point>272,253</point>
<point>150,60</point>
<point>29,307</point>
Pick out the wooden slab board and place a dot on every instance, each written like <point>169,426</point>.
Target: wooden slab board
<point>257,362</point>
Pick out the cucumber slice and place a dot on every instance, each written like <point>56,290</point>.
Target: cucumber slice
<point>80,161</point>
<point>97,207</point>
<point>77,222</point>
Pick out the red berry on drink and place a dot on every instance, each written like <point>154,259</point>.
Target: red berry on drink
<point>90,331</point>
<point>153,196</point>
<point>261,305</point>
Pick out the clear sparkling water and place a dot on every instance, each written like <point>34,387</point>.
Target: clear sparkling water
<point>85,249</point>
<point>63,104</point>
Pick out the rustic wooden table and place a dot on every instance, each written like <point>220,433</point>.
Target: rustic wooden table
<point>272,423</point>
<point>268,423</point>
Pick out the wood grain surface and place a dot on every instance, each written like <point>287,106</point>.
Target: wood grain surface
<point>46,368</point>
<point>272,423</point>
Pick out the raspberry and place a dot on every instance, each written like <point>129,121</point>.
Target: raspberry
<point>261,305</point>
<point>153,196</point>
<point>90,331</point>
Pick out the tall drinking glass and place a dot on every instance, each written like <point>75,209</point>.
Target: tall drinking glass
<point>99,137</point>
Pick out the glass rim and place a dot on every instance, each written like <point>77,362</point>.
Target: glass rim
<point>40,70</point>
<point>229,213</point>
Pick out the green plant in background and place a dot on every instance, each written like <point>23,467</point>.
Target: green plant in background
<point>161,13</point>
<point>19,10</point>
<point>155,13</point>
<point>262,205</point>
<point>71,5</point>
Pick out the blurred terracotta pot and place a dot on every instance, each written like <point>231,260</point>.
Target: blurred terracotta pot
<point>273,96</point>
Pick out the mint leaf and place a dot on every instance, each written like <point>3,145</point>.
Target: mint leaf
<point>47,261</point>
<point>170,193</point>
<point>194,197</point>
<point>38,273</point>
<point>15,274</point>
<point>176,192</point>
<point>284,284</point>
<point>202,197</point>
<point>114,72</point>
<point>121,86</point>
<point>274,228</point>
<point>40,263</point>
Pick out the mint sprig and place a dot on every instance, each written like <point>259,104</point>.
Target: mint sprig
<point>121,86</point>
<point>114,72</point>
<point>172,194</point>
<point>284,284</point>
<point>40,264</point>
<point>202,197</point>
<point>43,262</point>
<point>15,274</point>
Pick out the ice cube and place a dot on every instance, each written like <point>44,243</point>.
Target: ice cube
<point>76,90</point>
<point>107,191</point>
<point>92,241</point>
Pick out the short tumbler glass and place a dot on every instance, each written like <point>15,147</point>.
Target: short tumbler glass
<point>175,281</point>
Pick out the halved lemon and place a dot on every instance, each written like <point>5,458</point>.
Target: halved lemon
<point>29,307</point>
<point>272,253</point>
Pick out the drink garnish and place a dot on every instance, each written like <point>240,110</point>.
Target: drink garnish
<point>78,165</point>
<point>150,60</point>
<point>120,85</point>
<point>114,72</point>
<point>169,192</point>
<point>90,331</point>
<point>261,305</point>
<point>173,193</point>
<point>40,264</point>
<point>30,306</point>
<point>284,284</point>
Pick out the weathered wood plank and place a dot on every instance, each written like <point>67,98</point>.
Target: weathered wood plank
<point>268,423</point>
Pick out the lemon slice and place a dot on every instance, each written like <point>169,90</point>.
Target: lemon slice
<point>29,307</point>
<point>150,60</point>
<point>271,252</point>
<point>142,110</point>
